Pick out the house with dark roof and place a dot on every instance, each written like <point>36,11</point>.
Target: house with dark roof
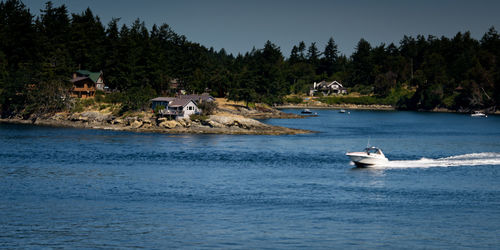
<point>328,88</point>
<point>85,83</point>
<point>205,97</point>
<point>176,108</point>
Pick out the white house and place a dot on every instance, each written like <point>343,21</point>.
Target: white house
<point>177,108</point>
<point>328,88</point>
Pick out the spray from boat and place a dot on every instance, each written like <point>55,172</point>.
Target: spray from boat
<point>474,159</point>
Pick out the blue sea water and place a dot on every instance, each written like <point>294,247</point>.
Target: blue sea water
<point>79,188</point>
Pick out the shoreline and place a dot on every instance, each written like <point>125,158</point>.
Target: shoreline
<point>375,107</point>
<point>236,127</point>
<point>230,122</point>
<point>230,119</point>
<point>337,106</point>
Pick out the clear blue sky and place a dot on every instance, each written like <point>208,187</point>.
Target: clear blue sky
<point>238,25</point>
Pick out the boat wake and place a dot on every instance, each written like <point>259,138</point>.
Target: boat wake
<point>476,159</point>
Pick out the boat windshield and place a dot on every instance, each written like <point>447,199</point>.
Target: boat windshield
<point>372,150</point>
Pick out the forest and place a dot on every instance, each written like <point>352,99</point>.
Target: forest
<point>39,53</point>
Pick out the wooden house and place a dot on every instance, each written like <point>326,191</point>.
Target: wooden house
<point>85,83</point>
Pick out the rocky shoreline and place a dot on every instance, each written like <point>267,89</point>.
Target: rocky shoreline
<point>337,106</point>
<point>145,122</point>
<point>379,107</point>
<point>260,113</point>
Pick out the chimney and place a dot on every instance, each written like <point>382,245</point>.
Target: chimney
<point>74,75</point>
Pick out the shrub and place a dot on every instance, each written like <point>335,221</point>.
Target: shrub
<point>116,111</point>
<point>137,98</point>
<point>207,108</point>
<point>158,108</point>
<point>114,98</point>
<point>362,100</point>
<point>87,102</point>
<point>293,100</point>
<point>196,117</point>
<point>99,96</point>
<point>362,89</point>
<point>77,107</point>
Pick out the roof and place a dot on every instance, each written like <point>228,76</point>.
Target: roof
<point>324,84</point>
<point>80,78</point>
<point>173,101</point>
<point>204,97</point>
<point>163,99</point>
<point>338,83</point>
<point>180,102</point>
<point>94,76</point>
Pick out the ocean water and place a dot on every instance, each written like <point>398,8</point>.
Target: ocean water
<point>79,188</point>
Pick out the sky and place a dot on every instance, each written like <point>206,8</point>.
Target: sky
<point>238,26</point>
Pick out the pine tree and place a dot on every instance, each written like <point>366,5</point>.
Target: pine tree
<point>313,54</point>
<point>362,64</point>
<point>330,58</point>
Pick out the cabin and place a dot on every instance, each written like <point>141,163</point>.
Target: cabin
<point>328,88</point>
<point>85,83</point>
<point>175,108</point>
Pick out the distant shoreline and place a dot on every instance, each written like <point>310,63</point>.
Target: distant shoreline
<point>337,106</point>
<point>375,107</point>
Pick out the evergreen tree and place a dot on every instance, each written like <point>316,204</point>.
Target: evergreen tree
<point>362,64</point>
<point>112,55</point>
<point>294,55</point>
<point>87,43</point>
<point>301,51</point>
<point>313,55</point>
<point>37,57</point>
<point>330,58</point>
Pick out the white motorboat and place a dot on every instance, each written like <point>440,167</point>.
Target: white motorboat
<point>478,114</point>
<point>371,156</point>
<point>306,111</point>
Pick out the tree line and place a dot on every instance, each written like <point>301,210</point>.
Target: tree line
<point>39,53</point>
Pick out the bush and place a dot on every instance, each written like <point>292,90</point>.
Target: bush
<point>87,102</point>
<point>77,107</point>
<point>362,100</point>
<point>196,117</point>
<point>114,98</point>
<point>116,111</point>
<point>99,96</point>
<point>207,108</point>
<point>80,104</point>
<point>362,89</point>
<point>158,108</point>
<point>293,100</point>
<point>137,98</point>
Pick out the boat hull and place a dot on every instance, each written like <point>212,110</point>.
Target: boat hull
<point>362,159</point>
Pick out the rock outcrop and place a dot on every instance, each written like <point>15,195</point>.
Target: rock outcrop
<point>220,123</point>
<point>235,121</point>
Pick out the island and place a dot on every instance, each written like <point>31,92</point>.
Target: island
<point>226,118</point>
